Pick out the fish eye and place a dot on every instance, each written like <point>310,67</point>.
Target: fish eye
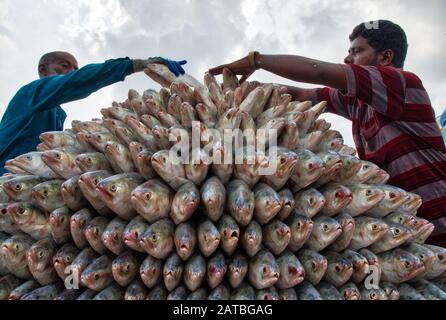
<point>4,211</point>
<point>154,237</point>
<point>28,158</point>
<point>348,163</point>
<point>400,219</point>
<point>267,202</point>
<point>373,295</point>
<point>310,166</point>
<point>17,247</point>
<point>21,211</point>
<point>164,159</point>
<point>89,160</point>
<point>18,187</point>
<point>57,155</point>
<point>338,268</point>
<point>392,195</point>
<point>135,234</point>
<point>311,201</point>
<point>62,219</point>
<point>40,254</point>
<point>325,227</point>
<point>127,267</point>
<point>313,265</point>
<point>45,193</point>
<point>67,259</point>
<point>374,227</point>
<point>298,224</point>
<point>96,276</point>
<point>337,194</point>
<point>441,257</point>
<point>368,192</point>
<point>407,264</point>
<point>397,231</point>
<point>265,270</point>
<point>113,188</point>
<point>421,257</point>
<point>282,160</point>
<point>96,231</point>
<point>148,196</point>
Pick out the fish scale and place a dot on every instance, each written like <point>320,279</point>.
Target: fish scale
<point>162,230</point>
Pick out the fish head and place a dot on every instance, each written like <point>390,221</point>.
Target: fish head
<point>15,248</point>
<point>21,213</point>
<point>29,161</point>
<point>313,201</point>
<point>184,239</point>
<point>237,267</point>
<point>41,254</point>
<point>88,181</point>
<point>113,190</point>
<point>95,277</point>
<point>376,228</point>
<point>413,202</point>
<point>408,265</point>
<point>328,229</point>
<point>351,293</point>
<point>161,163</point>
<point>56,159</point>
<point>64,257</point>
<point>17,186</point>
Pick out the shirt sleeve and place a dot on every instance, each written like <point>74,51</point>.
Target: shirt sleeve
<point>385,89</point>
<point>337,103</point>
<point>55,90</point>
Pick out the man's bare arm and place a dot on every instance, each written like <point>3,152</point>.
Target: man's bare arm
<point>292,67</point>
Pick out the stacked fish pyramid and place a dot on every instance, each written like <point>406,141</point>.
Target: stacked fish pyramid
<point>101,211</point>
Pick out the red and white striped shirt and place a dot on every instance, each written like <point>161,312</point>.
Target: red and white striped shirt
<point>394,126</point>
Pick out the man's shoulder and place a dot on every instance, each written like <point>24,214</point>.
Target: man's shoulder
<point>411,79</point>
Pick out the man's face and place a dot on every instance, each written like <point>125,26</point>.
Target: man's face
<point>361,53</point>
<point>62,64</point>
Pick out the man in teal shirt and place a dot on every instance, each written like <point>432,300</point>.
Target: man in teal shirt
<point>35,108</point>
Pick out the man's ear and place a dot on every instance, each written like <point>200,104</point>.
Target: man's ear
<point>386,58</point>
<point>43,70</point>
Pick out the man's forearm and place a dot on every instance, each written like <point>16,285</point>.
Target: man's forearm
<point>298,94</point>
<point>303,69</point>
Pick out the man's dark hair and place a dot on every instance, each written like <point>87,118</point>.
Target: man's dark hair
<point>383,35</point>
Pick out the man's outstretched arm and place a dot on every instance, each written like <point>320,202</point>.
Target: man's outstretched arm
<point>292,67</point>
<point>55,90</point>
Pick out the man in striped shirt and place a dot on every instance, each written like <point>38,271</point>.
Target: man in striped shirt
<point>393,122</point>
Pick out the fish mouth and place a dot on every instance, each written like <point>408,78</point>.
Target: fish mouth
<point>49,159</point>
<point>148,273</point>
<point>7,249</point>
<point>103,192</point>
<point>111,238</point>
<point>184,247</point>
<point>351,295</point>
<point>58,264</point>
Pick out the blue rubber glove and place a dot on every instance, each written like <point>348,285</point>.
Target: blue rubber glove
<point>174,66</point>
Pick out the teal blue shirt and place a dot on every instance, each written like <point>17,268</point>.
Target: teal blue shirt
<point>443,124</point>
<point>36,106</point>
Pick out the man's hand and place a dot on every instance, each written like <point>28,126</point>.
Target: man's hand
<point>174,66</point>
<point>242,67</point>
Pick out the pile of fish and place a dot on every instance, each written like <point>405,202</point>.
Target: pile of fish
<point>100,211</point>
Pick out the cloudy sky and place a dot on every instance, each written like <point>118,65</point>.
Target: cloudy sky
<point>206,33</point>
